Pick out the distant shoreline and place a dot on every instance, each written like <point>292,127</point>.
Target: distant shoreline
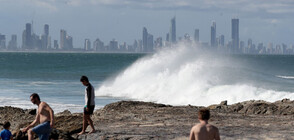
<point>78,51</point>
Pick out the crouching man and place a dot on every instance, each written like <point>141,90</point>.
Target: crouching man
<point>45,118</point>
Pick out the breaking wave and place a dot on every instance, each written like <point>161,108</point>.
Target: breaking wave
<point>187,75</point>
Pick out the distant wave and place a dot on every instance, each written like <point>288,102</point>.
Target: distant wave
<point>285,77</point>
<point>184,75</point>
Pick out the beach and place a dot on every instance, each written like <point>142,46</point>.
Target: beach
<point>145,120</point>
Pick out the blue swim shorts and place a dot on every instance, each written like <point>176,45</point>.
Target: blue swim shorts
<point>43,130</point>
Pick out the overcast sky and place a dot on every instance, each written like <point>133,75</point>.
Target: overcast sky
<point>262,20</point>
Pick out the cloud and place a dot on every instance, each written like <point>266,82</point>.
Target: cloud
<point>44,4</point>
<point>266,8</point>
<point>240,6</point>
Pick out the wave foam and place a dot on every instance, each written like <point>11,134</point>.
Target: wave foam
<point>182,76</point>
<point>285,77</point>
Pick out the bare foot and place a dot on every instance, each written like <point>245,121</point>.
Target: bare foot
<point>92,131</point>
<point>81,133</point>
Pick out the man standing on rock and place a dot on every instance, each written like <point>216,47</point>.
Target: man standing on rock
<point>89,105</point>
<point>45,116</point>
<point>203,130</point>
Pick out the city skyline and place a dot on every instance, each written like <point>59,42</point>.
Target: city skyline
<point>263,21</point>
<point>31,41</point>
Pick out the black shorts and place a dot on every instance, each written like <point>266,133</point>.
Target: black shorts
<point>90,110</point>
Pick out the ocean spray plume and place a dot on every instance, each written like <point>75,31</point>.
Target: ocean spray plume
<point>185,75</point>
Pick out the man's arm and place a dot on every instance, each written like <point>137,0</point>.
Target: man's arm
<point>89,90</point>
<point>51,113</point>
<point>33,123</point>
<point>192,136</point>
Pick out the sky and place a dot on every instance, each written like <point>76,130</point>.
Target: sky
<point>263,21</point>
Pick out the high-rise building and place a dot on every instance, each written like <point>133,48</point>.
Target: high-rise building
<point>12,45</point>
<point>62,39</point>
<point>69,43</point>
<point>2,42</point>
<point>113,45</point>
<point>158,42</point>
<point>87,45</point>
<point>222,40</point>
<point>213,35</point>
<point>136,46</point>
<point>235,35</point>
<point>27,41</point>
<point>98,45</point>
<point>167,37</point>
<point>46,29</point>
<point>144,38</point>
<point>150,43</point>
<point>172,31</point>
<point>45,38</point>
<point>196,35</point>
<point>56,44</point>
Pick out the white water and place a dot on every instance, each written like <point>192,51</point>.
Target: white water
<point>184,76</point>
<point>285,77</point>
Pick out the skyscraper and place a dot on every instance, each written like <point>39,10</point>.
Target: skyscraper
<point>150,43</point>
<point>235,35</point>
<point>56,44</point>
<point>62,39</point>
<point>196,35</point>
<point>27,37</point>
<point>87,45</point>
<point>213,34</point>
<point>12,45</point>
<point>46,29</point>
<point>45,38</point>
<point>172,31</point>
<point>222,40</point>
<point>98,45</point>
<point>2,42</point>
<point>145,37</point>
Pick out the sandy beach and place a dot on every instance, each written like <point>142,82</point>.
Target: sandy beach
<point>133,120</point>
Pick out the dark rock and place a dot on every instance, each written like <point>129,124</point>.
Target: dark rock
<point>32,111</point>
<point>225,103</point>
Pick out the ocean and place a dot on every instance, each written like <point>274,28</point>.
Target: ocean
<point>176,76</point>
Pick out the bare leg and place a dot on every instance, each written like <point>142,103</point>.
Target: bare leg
<point>91,124</point>
<point>85,124</point>
<point>30,134</point>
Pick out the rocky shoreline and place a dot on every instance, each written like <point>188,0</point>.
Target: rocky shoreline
<point>132,120</point>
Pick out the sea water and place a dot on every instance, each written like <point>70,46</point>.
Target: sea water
<point>56,77</point>
<point>177,76</point>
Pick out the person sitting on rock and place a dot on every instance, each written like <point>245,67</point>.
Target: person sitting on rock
<point>203,130</point>
<point>6,134</point>
<point>45,116</point>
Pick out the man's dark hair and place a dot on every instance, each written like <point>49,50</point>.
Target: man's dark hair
<point>84,78</point>
<point>35,95</point>
<point>6,125</point>
<point>204,114</point>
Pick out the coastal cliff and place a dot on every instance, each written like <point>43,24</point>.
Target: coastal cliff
<point>145,120</point>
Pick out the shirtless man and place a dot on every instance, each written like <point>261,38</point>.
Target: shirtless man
<point>203,130</point>
<point>45,118</point>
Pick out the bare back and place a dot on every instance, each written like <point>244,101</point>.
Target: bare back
<point>204,132</point>
<point>43,112</point>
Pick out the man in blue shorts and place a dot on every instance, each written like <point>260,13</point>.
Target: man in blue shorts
<point>89,105</point>
<point>45,116</point>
